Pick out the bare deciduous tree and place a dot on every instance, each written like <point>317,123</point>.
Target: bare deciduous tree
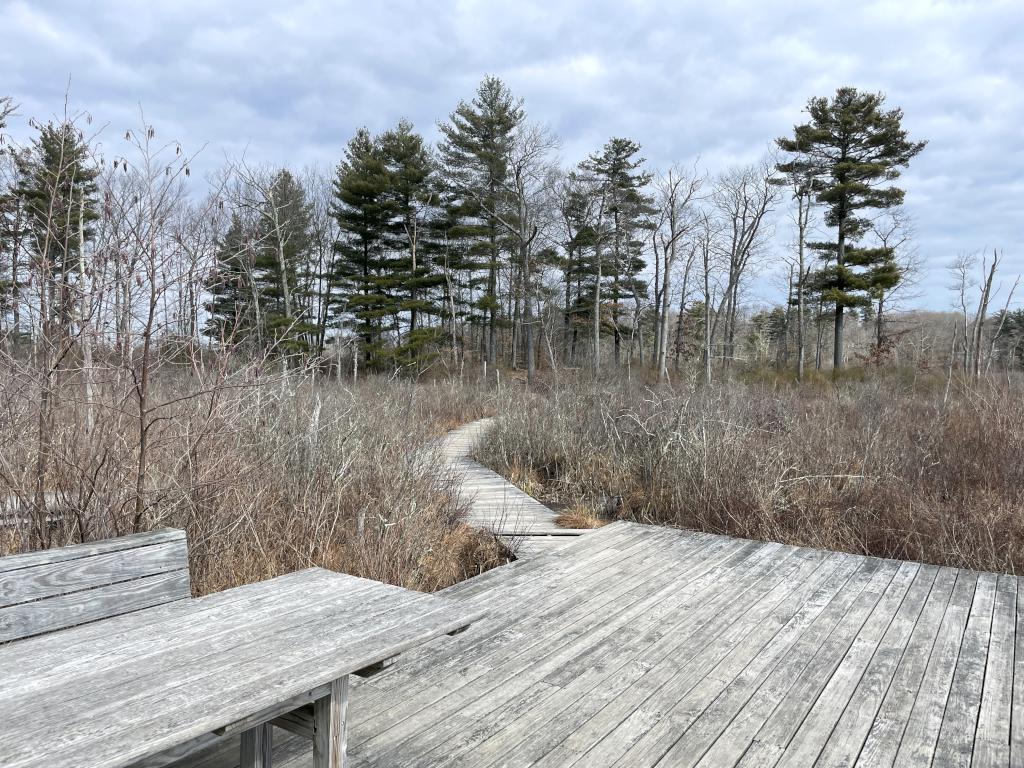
<point>972,332</point>
<point>676,192</point>
<point>741,200</point>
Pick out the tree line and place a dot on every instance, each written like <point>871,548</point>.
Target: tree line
<point>483,247</point>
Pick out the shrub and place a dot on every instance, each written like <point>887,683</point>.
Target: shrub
<point>883,466</point>
<point>267,475</point>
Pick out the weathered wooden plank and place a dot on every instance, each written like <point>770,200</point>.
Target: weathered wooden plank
<point>51,651</point>
<point>194,752</point>
<point>992,738</point>
<point>166,658</point>
<point>89,549</point>
<point>299,721</point>
<point>592,686</point>
<point>720,650</point>
<point>330,727</point>
<point>219,686</point>
<point>849,732</point>
<point>98,570</point>
<point>494,503</point>
<point>886,732</point>
<point>698,719</point>
<point>257,747</point>
<point>54,589</point>
<point>814,675</point>
<point>561,609</point>
<point>514,678</point>
<point>511,669</point>
<point>806,742</point>
<point>778,708</point>
<point>588,595</point>
<point>28,619</point>
<point>723,731</point>
<point>1017,719</point>
<point>955,746</point>
<point>555,615</point>
<point>643,737</point>
<point>146,643</point>
<point>603,579</point>
<point>577,555</point>
<point>917,745</point>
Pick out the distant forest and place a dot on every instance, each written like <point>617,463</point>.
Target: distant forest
<point>484,249</point>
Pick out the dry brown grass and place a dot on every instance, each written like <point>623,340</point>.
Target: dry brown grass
<point>579,516</point>
<point>880,466</point>
<point>266,478</point>
<point>526,478</point>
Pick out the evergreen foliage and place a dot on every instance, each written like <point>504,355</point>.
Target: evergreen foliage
<point>853,149</point>
<point>58,191</point>
<point>231,306</point>
<point>474,152</point>
<point>282,245</point>
<point>617,171</point>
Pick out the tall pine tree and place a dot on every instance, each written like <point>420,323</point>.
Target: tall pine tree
<point>412,199</point>
<point>283,245</point>
<point>854,149</point>
<point>58,192</point>
<point>475,147</point>
<point>232,305</point>
<point>616,169</point>
<point>363,211</point>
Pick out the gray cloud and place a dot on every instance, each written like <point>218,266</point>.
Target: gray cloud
<point>290,83</point>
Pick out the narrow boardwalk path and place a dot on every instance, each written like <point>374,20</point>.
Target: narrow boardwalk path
<point>650,647</point>
<point>498,505</point>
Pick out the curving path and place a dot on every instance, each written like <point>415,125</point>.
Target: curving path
<point>495,504</point>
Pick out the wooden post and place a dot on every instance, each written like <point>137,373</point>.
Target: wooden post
<point>257,747</point>
<point>330,727</point>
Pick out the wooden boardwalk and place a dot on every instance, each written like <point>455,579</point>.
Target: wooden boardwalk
<point>640,646</point>
<point>498,505</point>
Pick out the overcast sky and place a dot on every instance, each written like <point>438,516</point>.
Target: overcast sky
<point>289,82</point>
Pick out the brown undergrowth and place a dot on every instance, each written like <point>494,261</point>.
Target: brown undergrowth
<point>266,477</point>
<point>879,466</point>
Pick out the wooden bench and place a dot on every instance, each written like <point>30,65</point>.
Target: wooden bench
<point>161,676</point>
<point>55,589</point>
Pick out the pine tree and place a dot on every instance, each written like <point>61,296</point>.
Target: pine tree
<point>854,149</point>
<point>617,170</point>
<point>363,212</point>
<point>58,192</point>
<point>283,245</point>
<point>14,246</point>
<point>577,265</point>
<point>1006,330</point>
<point>232,306</point>
<point>474,150</point>
<point>411,200</point>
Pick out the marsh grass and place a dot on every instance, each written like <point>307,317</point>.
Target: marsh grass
<point>885,466</point>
